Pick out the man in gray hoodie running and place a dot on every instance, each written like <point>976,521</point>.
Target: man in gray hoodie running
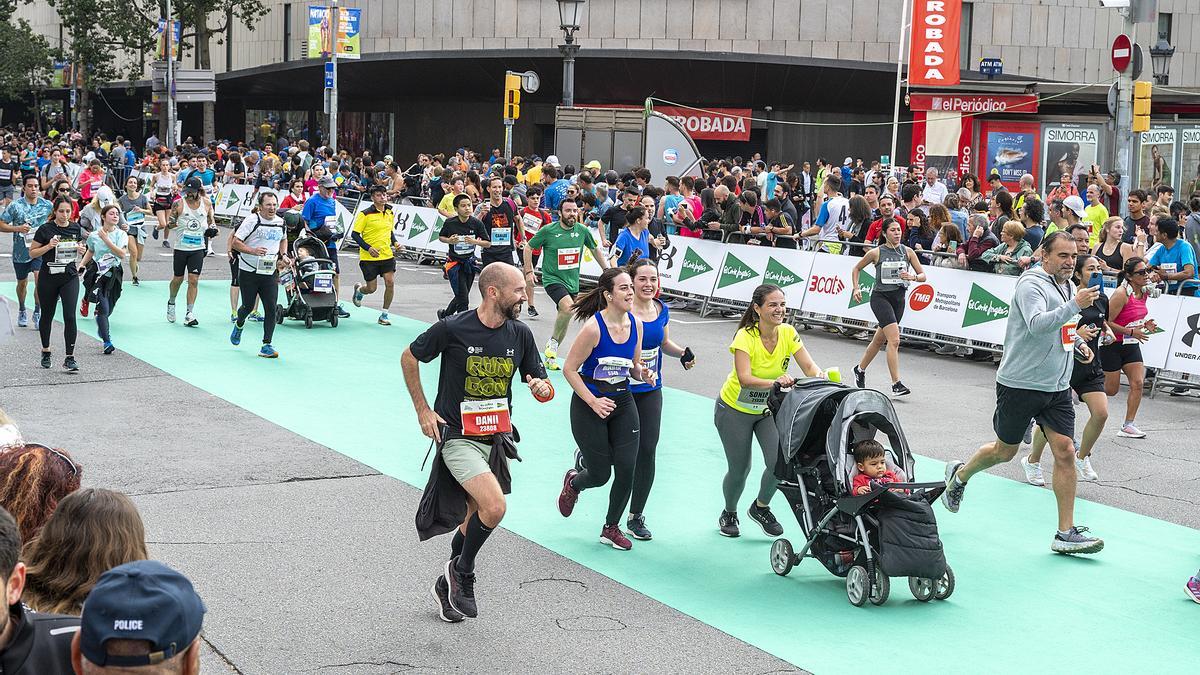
<point>1034,383</point>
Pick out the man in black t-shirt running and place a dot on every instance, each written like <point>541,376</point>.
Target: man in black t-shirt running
<point>470,420</point>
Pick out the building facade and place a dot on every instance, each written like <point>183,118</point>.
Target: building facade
<point>431,73</point>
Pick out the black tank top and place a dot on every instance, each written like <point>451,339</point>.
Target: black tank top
<point>1113,260</point>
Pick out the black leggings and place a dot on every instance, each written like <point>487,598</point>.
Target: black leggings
<point>51,288</point>
<point>649,407</point>
<point>609,447</point>
<point>262,286</point>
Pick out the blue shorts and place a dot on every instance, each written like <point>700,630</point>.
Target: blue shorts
<point>23,269</point>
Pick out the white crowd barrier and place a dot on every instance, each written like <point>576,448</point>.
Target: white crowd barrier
<point>959,303</point>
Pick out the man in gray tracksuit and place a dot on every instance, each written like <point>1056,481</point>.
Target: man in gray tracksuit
<point>1034,383</point>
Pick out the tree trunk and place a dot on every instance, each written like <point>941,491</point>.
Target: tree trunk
<point>204,53</point>
<point>84,103</point>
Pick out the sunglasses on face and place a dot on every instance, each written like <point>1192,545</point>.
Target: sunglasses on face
<point>1140,273</point>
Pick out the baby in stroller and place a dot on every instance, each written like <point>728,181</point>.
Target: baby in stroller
<point>871,460</point>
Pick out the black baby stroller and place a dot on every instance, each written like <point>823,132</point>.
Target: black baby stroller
<point>866,538</point>
<point>308,284</point>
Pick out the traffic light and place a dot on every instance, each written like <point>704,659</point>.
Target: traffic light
<point>512,96</point>
<point>1141,106</point>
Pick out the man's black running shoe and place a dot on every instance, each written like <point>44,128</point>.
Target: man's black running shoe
<point>461,590</point>
<point>441,597</point>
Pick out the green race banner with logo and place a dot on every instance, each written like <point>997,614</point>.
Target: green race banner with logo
<point>956,303</point>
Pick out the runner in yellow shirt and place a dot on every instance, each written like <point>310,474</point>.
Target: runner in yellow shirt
<point>374,232</point>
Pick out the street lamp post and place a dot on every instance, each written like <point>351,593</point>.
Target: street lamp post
<point>569,13</point>
<point>1160,60</point>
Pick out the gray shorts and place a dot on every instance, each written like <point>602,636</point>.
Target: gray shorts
<point>466,458</point>
<point>8,192</point>
<point>138,233</point>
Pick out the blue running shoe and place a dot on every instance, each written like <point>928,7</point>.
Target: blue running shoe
<point>268,352</point>
<point>256,316</point>
<point>235,338</point>
<point>37,316</point>
<point>109,348</point>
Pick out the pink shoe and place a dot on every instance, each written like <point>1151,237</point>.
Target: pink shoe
<point>569,495</point>
<point>613,536</point>
<point>1193,588</point>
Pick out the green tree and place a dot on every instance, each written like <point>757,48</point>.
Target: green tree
<point>26,70</point>
<point>90,47</point>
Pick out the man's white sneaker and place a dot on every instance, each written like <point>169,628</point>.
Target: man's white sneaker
<point>551,349</point>
<point>1084,467</point>
<point>1033,473</point>
<point>190,320</point>
<point>1128,430</point>
<point>171,312</point>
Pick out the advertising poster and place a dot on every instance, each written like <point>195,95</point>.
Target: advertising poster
<point>1156,158</point>
<point>349,41</point>
<point>1009,149</point>
<point>1069,150</point>
<point>161,38</point>
<point>942,140</point>
<point>1189,164</point>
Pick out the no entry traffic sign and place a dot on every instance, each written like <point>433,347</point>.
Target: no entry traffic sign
<point>1122,52</point>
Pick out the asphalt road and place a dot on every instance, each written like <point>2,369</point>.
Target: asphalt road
<point>282,535</point>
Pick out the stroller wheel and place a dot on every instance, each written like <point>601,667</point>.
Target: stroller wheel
<point>782,557</point>
<point>922,588</point>
<point>856,585</point>
<point>308,320</point>
<point>881,588</point>
<point>333,319</point>
<point>944,587</point>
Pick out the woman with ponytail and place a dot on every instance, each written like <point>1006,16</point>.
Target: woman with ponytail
<point>762,348</point>
<point>1127,319</point>
<point>656,342</point>
<point>605,356</point>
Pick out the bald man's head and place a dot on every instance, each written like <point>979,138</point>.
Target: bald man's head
<point>502,287</point>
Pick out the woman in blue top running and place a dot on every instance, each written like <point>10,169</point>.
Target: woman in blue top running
<point>656,341</point>
<point>604,419</point>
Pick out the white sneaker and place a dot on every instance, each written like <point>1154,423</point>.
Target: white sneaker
<point>552,349</point>
<point>1084,467</point>
<point>171,312</point>
<point>1128,430</point>
<point>190,320</point>
<point>1033,473</point>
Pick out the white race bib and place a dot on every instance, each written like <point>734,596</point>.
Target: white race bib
<point>568,258</point>
<point>889,270</point>
<point>105,263</point>
<point>612,369</point>
<point>484,418</point>
<point>266,263</point>
<point>753,399</point>
<point>501,236</point>
<point>66,253</point>
<point>1066,334</point>
<point>532,223</point>
<point>650,358</point>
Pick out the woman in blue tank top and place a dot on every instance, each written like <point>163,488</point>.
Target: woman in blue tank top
<point>656,341</point>
<point>605,356</point>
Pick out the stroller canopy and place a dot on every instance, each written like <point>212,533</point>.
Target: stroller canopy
<point>818,416</point>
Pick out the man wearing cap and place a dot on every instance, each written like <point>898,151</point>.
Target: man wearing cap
<point>30,643</point>
<point>374,232</point>
<point>593,167</point>
<point>320,216</point>
<point>1074,210</point>
<point>141,617</point>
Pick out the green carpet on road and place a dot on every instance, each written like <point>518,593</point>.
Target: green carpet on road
<point>1017,606</point>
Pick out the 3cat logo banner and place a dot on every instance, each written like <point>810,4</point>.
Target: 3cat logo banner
<point>933,51</point>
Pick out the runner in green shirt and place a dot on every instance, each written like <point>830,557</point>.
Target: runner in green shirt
<point>562,245</point>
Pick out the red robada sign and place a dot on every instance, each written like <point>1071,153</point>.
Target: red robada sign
<point>710,124</point>
<point>982,103</point>
<point>933,53</point>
